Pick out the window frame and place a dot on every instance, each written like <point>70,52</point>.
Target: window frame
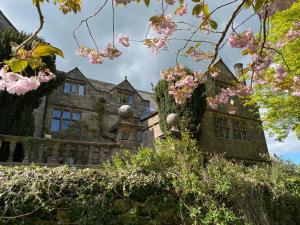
<point>62,119</point>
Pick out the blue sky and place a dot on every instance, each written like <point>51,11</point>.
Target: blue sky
<point>137,62</point>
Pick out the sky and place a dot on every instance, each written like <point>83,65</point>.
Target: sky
<point>138,63</point>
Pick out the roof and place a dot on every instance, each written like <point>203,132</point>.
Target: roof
<point>100,85</point>
<point>4,22</point>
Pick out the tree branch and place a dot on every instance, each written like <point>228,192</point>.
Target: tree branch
<point>41,17</point>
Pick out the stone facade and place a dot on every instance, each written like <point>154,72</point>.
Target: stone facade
<point>238,136</point>
<point>75,102</point>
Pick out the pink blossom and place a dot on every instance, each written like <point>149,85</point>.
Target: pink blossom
<point>163,25</point>
<point>124,40</point>
<point>241,40</point>
<point>83,51</point>
<point>111,52</point>
<point>95,57</point>
<point>45,75</point>
<point>280,73</point>
<point>64,7</point>
<point>296,79</point>
<point>23,85</point>
<point>156,44</point>
<point>280,44</point>
<point>181,10</point>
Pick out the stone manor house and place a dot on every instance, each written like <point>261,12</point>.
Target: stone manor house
<point>69,120</point>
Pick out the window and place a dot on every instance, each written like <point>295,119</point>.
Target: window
<point>239,130</point>
<point>67,87</point>
<point>221,127</point>
<point>81,90</point>
<point>124,136</point>
<point>61,119</point>
<point>126,98</point>
<point>74,88</point>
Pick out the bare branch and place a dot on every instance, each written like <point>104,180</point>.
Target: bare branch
<point>41,17</point>
<point>86,21</point>
<point>192,35</point>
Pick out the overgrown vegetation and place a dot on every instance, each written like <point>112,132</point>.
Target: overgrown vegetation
<point>168,185</point>
<point>190,113</point>
<point>16,111</point>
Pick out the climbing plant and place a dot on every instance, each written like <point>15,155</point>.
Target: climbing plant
<point>16,114</point>
<point>190,113</point>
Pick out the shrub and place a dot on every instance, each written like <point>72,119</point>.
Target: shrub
<point>168,185</point>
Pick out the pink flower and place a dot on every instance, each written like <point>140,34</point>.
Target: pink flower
<point>124,40</point>
<point>45,75</point>
<point>241,40</point>
<point>163,25</point>
<point>111,52</point>
<point>23,85</point>
<point>181,10</point>
<point>156,44</point>
<point>83,51</point>
<point>280,73</point>
<point>95,57</point>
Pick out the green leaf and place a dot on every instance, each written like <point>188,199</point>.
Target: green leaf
<point>147,2</point>
<point>248,3</point>
<point>44,49</point>
<point>16,65</point>
<point>205,9</point>
<point>196,10</point>
<point>35,62</point>
<point>196,0</point>
<point>258,5</point>
<point>213,24</point>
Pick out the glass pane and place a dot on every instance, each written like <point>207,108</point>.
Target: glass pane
<point>55,125</point>
<point>75,116</point>
<point>66,115</point>
<point>56,113</point>
<point>74,88</point>
<point>67,87</point>
<point>130,100</point>
<point>81,90</point>
<point>65,124</point>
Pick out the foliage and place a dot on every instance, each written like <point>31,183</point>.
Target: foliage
<point>167,185</point>
<point>16,116</point>
<point>282,110</point>
<point>190,113</point>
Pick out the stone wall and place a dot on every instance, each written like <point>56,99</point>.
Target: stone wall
<point>24,150</point>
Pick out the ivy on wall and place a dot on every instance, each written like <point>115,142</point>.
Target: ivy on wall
<point>190,113</point>
<point>16,114</point>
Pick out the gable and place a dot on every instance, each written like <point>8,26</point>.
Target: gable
<point>76,75</point>
<point>127,87</point>
<point>225,75</point>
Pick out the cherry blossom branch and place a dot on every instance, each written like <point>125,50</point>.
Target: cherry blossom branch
<point>234,14</point>
<point>86,21</point>
<point>41,18</point>
<point>192,35</point>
